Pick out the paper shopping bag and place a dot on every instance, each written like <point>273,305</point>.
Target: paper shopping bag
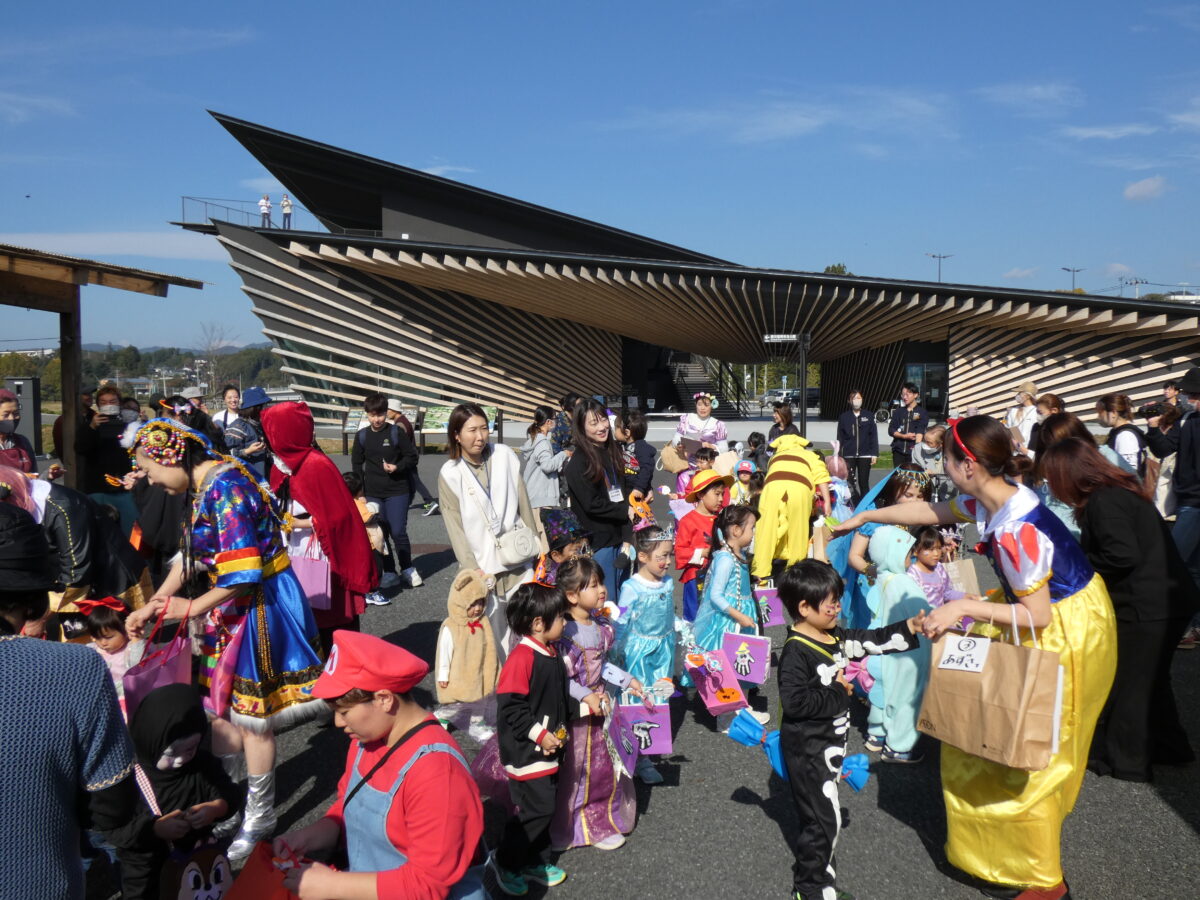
<point>963,575</point>
<point>770,607</point>
<point>821,537</point>
<point>995,700</point>
<point>171,663</point>
<point>751,656</point>
<point>313,575</point>
<point>715,680</point>
<point>650,724</point>
<point>260,879</point>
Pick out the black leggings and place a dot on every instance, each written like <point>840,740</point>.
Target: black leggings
<point>859,469</point>
<point>526,840</point>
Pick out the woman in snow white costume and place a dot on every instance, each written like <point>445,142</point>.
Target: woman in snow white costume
<point>254,606</point>
<point>699,426</point>
<point>1004,825</point>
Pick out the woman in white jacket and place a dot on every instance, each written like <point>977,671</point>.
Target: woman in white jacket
<point>541,464</point>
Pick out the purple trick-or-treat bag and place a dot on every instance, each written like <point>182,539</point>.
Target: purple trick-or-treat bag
<point>313,575</point>
<point>623,742</point>
<point>716,680</point>
<point>751,656</point>
<point>651,726</point>
<point>169,663</point>
<point>770,607</point>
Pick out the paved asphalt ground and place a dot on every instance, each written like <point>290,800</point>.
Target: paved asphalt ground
<point>719,825</point>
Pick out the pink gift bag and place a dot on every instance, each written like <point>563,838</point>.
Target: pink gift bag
<point>751,656</point>
<point>716,681</point>
<point>651,726</point>
<point>170,664</point>
<point>769,606</point>
<point>313,574</point>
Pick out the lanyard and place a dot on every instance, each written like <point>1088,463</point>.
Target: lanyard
<point>392,749</point>
<point>813,645</point>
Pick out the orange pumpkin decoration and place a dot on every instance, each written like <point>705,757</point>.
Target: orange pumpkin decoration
<point>697,660</point>
<point>728,695</point>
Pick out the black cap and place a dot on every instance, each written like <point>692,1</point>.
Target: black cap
<point>1190,382</point>
<point>24,553</point>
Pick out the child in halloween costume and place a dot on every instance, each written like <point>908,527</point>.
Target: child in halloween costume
<point>566,539</point>
<point>794,478</point>
<point>900,679</point>
<point>106,625</point>
<point>596,802</point>
<point>814,697</point>
<point>467,662</point>
<point>739,492</point>
<point>693,544</point>
<point>927,569</point>
<point>840,492</point>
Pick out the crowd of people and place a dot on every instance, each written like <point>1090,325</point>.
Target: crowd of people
<point>204,587</point>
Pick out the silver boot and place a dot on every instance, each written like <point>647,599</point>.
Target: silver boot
<point>258,822</point>
<point>235,767</point>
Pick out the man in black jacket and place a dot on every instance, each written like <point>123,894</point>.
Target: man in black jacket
<point>1183,439</point>
<point>908,424</point>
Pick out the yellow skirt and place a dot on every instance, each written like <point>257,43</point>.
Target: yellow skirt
<point>1004,825</point>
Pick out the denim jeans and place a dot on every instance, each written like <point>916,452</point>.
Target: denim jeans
<point>394,511</point>
<point>1186,533</point>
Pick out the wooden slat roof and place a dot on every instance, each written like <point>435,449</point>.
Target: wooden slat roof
<point>55,267</point>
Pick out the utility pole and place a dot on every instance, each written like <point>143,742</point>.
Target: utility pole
<point>1137,286</point>
<point>939,257</point>
<point>1073,272</point>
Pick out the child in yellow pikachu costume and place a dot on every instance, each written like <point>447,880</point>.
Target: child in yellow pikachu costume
<point>794,476</point>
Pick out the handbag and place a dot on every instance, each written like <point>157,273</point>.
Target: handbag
<point>203,871</point>
<point>672,458</point>
<point>220,686</point>
<point>998,701</point>
<point>313,573</point>
<point>171,664</point>
<point>516,545</point>
<point>259,879</point>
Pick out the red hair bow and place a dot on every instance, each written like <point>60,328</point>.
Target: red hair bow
<point>86,606</point>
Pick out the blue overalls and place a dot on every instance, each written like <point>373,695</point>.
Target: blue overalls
<point>367,842</point>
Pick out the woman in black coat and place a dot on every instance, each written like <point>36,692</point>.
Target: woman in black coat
<point>1153,596</point>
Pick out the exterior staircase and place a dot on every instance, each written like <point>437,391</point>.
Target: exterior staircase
<point>694,376</point>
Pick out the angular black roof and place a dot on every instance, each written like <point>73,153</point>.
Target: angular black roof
<point>348,191</point>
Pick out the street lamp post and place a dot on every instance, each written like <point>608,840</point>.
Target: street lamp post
<point>1073,273</point>
<point>939,257</point>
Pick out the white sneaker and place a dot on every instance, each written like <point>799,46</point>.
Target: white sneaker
<point>762,717</point>
<point>413,577</point>
<point>612,842</point>
<point>377,599</point>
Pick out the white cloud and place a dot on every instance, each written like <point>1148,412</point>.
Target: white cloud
<point>1146,189</point>
<point>102,244</point>
<point>17,108</point>
<point>267,184</point>
<point>1186,15</point>
<point>1033,98</point>
<point>1189,120</point>
<point>1117,270</point>
<point>444,170</point>
<point>781,117</point>
<point>1106,132</point>
<point>1020,273</point>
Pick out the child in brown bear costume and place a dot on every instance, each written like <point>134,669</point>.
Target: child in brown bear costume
<point>467,663</point>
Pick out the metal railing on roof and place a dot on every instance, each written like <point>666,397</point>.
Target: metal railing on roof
<point>201,210</point>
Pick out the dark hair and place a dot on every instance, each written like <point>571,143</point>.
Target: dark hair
<point>731,515</point>
<point>809,582</point>
<point>568,401</point>
<point>991,445</point>
<point>1171,384</point>
<point>27,606</point>
<point>375,404</point>
<point>638,425</point>
<point>102,619</point>
<point>1051,401</point>
<point>708,454</point>
<point>108,388</point>
<point>757,480</point>
<point>597,459</point>
<point>1116,403</point>
<point>355,696</point>
<point>354,482</point>
<point>853,391</point>
<point>541,415</point>
<point>644,540</point>
<point>459,416</point>
<point>784,411</point>
<point>577,573</point>
<point>1169,416</point>
<point>910,387</point>
<point>756,439</point>
<point>927,537</point>
<point>231,387</point>
<point>1074,470</point>
<point>900,481</point>
<point>534,600</point>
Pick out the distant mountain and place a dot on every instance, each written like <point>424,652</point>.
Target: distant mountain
<point>224,351</point>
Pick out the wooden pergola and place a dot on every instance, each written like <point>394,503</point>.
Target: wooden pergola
<point>36,279</point>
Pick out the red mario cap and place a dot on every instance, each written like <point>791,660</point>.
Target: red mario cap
<point>368,663</point>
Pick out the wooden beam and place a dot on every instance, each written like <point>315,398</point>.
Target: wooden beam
<point>71,361</point>
<point>37,293</point>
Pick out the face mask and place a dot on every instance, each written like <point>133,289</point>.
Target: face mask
<point>8,426</point>
<point>110,409</point>
<point>129,415</point>
<point>856,404</point>
<point>1020,399</point>
<point>1041,417</point>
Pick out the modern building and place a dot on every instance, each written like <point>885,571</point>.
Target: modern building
<point>437,292</point>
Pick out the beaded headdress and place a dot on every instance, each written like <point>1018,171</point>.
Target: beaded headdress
<point>921,479</point>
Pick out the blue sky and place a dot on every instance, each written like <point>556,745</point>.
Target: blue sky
<point>1020,138</point>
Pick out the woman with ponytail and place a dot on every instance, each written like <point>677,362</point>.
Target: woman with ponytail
<point>1004,825</point>
<point>254,605</point>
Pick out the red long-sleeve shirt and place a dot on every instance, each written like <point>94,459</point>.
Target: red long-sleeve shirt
<point>436,817</point>
<point>694,533</point>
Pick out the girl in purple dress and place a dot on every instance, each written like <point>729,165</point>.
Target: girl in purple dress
<point>703,427</point>
<point>596,802</point>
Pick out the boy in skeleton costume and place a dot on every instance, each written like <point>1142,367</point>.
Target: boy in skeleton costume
<point>815,698</point>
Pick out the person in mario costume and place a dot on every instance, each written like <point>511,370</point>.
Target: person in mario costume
<point>407,807</point>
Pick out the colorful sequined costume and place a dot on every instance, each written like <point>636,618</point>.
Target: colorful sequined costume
<point>1004,825</point>
<point>236,536</point>
<point>594,800</point>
